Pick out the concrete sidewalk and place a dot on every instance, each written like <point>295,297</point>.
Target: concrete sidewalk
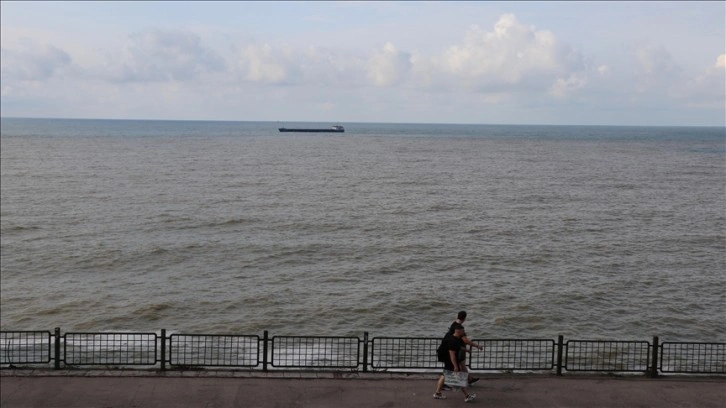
<point>79,390</point>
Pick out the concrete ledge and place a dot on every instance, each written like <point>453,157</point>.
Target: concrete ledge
<point>301,375</point>
<point>35,372</point>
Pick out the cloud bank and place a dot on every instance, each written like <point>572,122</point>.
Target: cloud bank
<point>509,61</point>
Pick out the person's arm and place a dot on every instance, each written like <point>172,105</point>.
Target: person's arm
<point>471,343</point>
<point>454,360</point>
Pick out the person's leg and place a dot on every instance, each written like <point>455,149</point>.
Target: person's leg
<point>439,386</point>
<point>463,367</point>
<point>471,379</point>
<point>467,397</point>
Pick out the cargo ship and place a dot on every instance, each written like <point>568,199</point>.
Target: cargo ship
<point>332,129</point>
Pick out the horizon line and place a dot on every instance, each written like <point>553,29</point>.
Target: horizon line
<point>358,122</point>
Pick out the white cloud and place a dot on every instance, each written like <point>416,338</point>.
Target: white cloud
<point>312,66</point>
<point>565,86</point>
<point>720,61</point>
<point>656,62</point>
<point>333,68</point>
<point>260,63</point>
<point>160,56</point>
<point>708,89</point>
<point>419,73</point>
<point>32,61</point>
<point>388,66</point>
<point>656,75</point>
<point>511,56</point>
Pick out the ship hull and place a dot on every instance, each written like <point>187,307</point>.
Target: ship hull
<point>312,130</point>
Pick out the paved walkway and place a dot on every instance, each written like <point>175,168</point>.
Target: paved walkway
<point>79,389</point>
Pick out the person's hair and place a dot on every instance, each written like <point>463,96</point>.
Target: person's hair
<point>461,315</point>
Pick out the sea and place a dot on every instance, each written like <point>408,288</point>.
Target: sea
<point>590,232</point>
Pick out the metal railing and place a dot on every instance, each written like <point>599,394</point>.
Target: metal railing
<point>692,358</point>
<point>119,349</point>
<point>25,347</point>
<point>514,355</point>
<point>213,350</point>
<point>180,351</point>
<point>610,356</point>
<point>315,352</point>
<point>404,352</point>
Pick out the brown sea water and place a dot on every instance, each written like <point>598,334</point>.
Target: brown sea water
<point>232,227</point>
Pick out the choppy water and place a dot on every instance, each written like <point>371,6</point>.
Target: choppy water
<point>232,227</point>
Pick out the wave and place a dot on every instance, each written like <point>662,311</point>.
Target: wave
<point>20,228</point>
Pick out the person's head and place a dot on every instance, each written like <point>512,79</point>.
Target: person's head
<point>461,316</point>
<point>458,330</point>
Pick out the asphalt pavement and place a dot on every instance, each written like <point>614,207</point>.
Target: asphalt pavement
<point>115,389</point>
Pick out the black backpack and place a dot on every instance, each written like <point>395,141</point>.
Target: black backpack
<point>442,353</point>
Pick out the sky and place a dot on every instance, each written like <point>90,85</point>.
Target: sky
<point>474,62</point>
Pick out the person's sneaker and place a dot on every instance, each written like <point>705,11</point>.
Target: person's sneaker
<point>439,395</point>
<point>446,388</point>
<point>470,398</point>
<point>472,380</point>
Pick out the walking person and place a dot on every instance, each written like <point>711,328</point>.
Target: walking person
<point>453,344</point>
<point>460,318</point>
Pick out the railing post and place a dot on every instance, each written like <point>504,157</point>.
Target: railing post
<point>654,358</point>
<point>264,351</point>
<point>57,348</point>
<point>163,349</point>
<point>365,352</point>
<point>560,346</point>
